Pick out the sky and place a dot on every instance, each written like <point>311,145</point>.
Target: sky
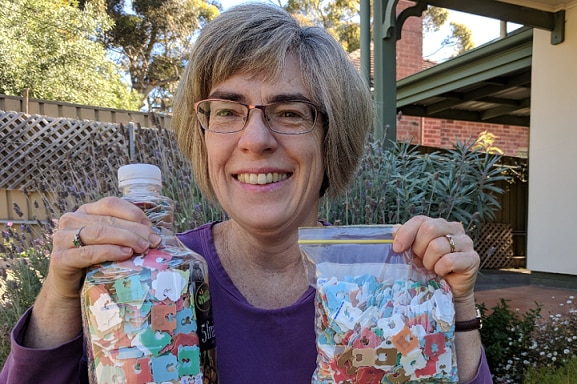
<point>483,30</point>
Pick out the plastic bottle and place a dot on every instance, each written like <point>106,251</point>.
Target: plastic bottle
<point>149,319</point>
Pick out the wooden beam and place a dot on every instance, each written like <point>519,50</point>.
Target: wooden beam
<point>531,17</point>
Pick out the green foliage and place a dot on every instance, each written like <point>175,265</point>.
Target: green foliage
<point>23,267</point>
<point>485,142</point>
<point>395,184</point>
<point>151,40</point>
<point>565,374</point>
<point>48,47</point>
<point>460,37</point>
<point>528,348</point>
<point>434,18</point>
<point>506,336</point>
<point>338,17</point>
<point>555,340</point>
<point>391,185</point>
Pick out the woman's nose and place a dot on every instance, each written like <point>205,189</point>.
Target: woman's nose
<point>256,111</point>
<point>256,135</point>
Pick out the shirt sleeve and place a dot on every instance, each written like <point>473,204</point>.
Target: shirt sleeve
<point>483,373</point>
<point>62,364</point>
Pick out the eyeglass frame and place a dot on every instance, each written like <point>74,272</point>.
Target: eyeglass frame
<point>262,107</point>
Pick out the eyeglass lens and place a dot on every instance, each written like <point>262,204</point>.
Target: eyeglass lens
<point>287,117</point>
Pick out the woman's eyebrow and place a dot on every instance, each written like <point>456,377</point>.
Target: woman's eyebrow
<point>235,96</point>
<point>289,96</point>
<point>226,95</point>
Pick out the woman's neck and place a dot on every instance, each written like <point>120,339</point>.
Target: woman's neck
<point>267,270</point>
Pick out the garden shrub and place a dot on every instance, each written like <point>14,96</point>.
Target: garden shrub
<point>393,183</point>
<point>521,347</point>
<point>565,374</point>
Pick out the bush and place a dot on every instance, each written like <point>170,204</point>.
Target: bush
<point>506,336</point>
<point>398,182</point>
<point>523,346</point>
<point>565,374</point>
<point>23,267</point>
<point>392,184</point>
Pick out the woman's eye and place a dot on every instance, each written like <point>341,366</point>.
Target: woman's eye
<point>223,112</point>
<point>289,114</point>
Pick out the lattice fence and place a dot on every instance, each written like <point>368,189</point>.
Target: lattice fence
<point>495,246</point>
<point>33,146</point>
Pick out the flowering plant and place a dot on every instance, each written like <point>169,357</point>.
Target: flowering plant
<point>517,344</point>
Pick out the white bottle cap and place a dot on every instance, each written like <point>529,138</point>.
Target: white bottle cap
<point>139,174</point>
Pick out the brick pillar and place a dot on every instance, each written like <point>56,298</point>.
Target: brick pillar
<point>409,61</point>
<point>410,47</point>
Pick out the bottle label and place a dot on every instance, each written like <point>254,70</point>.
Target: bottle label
<point>203,308</point>
<point>202,303</point>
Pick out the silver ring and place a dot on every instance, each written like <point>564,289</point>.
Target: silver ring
<point>451,242</point>
<point>77,241</point>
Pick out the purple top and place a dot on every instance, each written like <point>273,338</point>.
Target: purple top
<point>253,345</point>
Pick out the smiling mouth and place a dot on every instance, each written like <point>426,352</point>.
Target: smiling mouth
<point>261,178</point>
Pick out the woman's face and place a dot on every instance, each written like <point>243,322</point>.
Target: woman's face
<point>240,163</point>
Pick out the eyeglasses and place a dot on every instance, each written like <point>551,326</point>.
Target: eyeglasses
<point>285,117</point>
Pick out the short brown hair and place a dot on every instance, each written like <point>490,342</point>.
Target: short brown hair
<point>255,39</point>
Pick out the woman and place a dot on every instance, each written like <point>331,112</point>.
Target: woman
<point>273,116</point>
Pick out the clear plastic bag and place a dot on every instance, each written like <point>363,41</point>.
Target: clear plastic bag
<point>380,317</point>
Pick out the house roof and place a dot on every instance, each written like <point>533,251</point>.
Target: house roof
<point>491,83</point>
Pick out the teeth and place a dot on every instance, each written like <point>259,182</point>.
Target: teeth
<point>261,178</point>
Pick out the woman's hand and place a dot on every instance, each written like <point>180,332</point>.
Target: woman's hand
<point>110,229</point>
<point>428,239</point>
<point>457,262</point>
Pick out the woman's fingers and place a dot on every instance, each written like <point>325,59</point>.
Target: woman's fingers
<point>440,247</point>
<point>420,231</point>
<point>113,208</point>
<point>459,269</point>
<point>444,248</point>
<point>126,234</point>
<point>108,221</point>
<point>110,229</point>
<point>67,265</point>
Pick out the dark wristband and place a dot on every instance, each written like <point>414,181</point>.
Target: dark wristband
<point>469,325</point>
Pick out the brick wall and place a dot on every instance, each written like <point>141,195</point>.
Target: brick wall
<point>513,140</point>
<point>410,47</point>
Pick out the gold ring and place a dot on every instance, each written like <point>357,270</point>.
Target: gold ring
<point>77,241</point>
<point>451,242</point>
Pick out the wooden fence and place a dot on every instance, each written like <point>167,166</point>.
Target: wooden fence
<point>35,146</point>
<point>81,112</point>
